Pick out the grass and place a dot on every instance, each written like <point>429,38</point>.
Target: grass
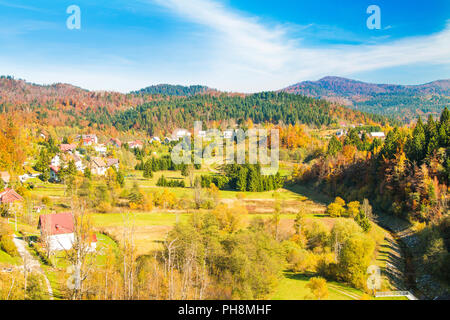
<point>140,219</point>
<point>7,259</point>
<point>293,287</point>
<point>150,228</point>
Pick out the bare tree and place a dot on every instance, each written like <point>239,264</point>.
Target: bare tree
<point>129,255</point>
<point>82,256</point>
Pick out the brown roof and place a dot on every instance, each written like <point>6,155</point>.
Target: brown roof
<point>67,147</point>
<point>9,196</point>
<point>110,162</point>
<point>58,223</point>
<point>99,162</point>
<point>116,141</point>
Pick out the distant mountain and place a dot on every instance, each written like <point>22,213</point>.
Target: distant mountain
<point>404,102</point>
<point>175,90</point>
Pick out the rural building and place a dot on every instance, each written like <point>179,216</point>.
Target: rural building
<point>54,173</point>
<point>56,161</point>
<point>57,231</point>
<point>115,142</point>
<point>67,147</point>
<point>8,196</point>
<point>180,133</point>
<point>377,134</point>
<point>136,144</point>
<point>98,166</point>
<point>112,162</point>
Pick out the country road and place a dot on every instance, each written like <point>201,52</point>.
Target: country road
<point>31,263</point>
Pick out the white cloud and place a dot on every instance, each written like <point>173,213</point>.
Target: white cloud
<point>252,56</point>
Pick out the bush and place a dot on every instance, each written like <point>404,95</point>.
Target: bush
<point>7,245</point>
<point>36,289</point>
<point>104,207</point>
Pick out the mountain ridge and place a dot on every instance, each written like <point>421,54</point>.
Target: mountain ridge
<point>402,101</point>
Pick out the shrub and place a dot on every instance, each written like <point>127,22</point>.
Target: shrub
<point>7,245</point>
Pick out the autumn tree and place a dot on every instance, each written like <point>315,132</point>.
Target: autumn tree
<point>318,287</point>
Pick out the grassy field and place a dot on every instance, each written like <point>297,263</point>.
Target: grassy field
<point>151,228</point>
<point>7,259</point>
<point>293,287</point>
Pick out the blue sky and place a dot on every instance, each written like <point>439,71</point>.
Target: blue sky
<point>244,46</point>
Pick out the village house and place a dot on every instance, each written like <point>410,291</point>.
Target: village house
<point>57,231</point>
<point>78,162</point>
<point>67,147</point>
<point>88,139</point>
<point>115,142</point>
<point>56,161</point>
<point>228,134</point>
<point>377,135</point>
<point>110,162</point>
<point>101,148</point>
<point>155,139</point>
<point>98,166</point>
<point>9,196</point>
<point>54,173</point>
<point>180,133</point>
<point>136,144</point>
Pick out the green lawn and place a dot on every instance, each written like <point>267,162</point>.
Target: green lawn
<point>7,259</point>
<point>293,287</point>
<point>140,219</point>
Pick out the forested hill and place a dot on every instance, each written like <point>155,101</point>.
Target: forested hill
<point>158,113</point>
<point>174,90</point>
<point>273,107</point>
<point>404,102</point>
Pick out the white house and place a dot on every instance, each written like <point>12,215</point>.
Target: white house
<point>98,166</point>
<point>228,134</point>
<point>155,139</point>
<point>377,134</point>
<point>100,149</point>
<point>180,133</point>
<point>136,144</point>
<point>57,231</point>
<point>56,161</point>
<point>78,163</point>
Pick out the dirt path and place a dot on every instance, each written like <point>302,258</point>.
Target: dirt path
<point>30,262</point>
<point>348,294</point>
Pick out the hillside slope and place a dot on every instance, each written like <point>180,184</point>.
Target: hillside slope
<point>404,102</point>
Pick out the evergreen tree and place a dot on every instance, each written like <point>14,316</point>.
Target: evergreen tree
<point>334,146</point>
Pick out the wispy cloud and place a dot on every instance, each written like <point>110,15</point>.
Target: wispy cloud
<point>268,56</point>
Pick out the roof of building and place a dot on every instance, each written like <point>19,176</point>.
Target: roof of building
<point>110,162</point>
<point>9,196</point>
<point>99,162</point>
<point>57,223</point>
<point>116,141</point>
<point>67,147</point>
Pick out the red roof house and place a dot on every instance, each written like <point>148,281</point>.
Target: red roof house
<point>9,196</point>
<point>59,228</point>
<point>58,223</point>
